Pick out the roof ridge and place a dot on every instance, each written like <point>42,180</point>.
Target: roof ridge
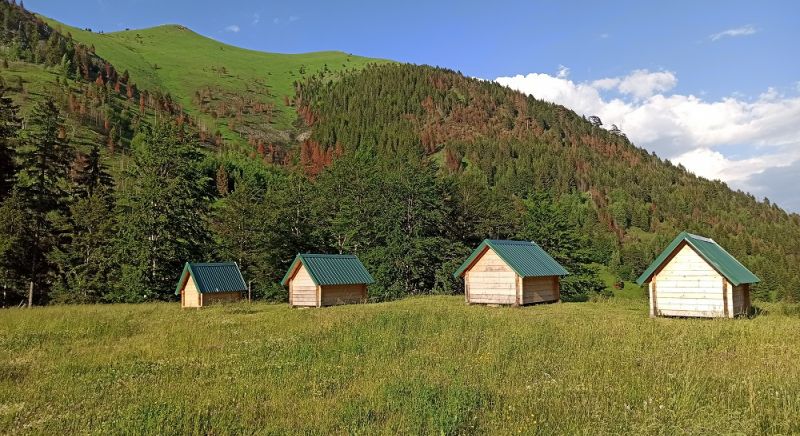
<point>511,241</point>
<point>702,238</point>
<point>212,263</point>
<point>326,255</point>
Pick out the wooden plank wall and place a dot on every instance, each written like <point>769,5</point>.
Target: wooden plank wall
<point>190,297</point>
<point>689,286</point>
<point>491,281</point>
<point>342,294</point>
<point>540,289</point>
<point>303,288</point>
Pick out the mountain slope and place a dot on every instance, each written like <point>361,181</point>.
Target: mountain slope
<point>216,82</point>
<point>504,147</point>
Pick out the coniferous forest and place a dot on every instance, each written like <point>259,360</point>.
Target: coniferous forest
<point>107,189</point>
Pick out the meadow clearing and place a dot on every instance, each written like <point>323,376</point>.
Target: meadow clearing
<point>420,365</point>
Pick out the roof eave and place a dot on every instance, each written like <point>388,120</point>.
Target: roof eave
<point>475,253</point>
<point>288,275</point>
<point>186,268</point>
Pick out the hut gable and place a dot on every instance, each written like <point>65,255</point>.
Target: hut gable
<point>212,277</point>
<point>526,258</point>
<point>716,257</point>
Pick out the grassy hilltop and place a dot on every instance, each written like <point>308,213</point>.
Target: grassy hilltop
<point>421,366</point>
<point>173,59</point>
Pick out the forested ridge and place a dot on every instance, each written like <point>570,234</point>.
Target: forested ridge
<point>501,150</point>
<point>107,189</point>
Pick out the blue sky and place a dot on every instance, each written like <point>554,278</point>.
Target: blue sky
<point>712,85</point>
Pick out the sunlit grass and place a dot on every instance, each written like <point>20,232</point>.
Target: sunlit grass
<point>421,365</point>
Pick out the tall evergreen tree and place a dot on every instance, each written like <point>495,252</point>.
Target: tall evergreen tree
<point>44,166</point>
<point>15,239</point>
<point>9,127</point>
<point>83,263</point>
<point>83,259</point>
<point>546,224</point>
<point>91,176</point>
<point>163,214</point>
<point>252,226</point>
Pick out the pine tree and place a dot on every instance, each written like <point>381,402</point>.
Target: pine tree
<point>44,169</point>
<point>252,231</point>
<point>546,224</point>
<point>163,214</point>
<point>15,239</point>
<point>9,127</point>
<point>83,261</point>
<point>91,175</point>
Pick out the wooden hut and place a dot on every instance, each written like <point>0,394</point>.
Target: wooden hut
<point>696,277</point>
<point>207,283</point>
<point>511,272</point>
<point>326,280</point>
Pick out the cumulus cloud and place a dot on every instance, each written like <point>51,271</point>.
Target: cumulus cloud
<point>730,33</point>
<point>256,18</point>
<point>233,28</point>
<point>643,83</point>
<point>687,129</point>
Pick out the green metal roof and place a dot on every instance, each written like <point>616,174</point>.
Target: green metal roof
<point>526,258</point>
<point>708,249</point>
<point>331,269</point>
<point>213,277</point>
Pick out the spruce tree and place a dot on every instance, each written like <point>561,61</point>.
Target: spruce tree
<point>83,259</point>
<point>9,128</point>
<point>547,224</point>
<point>91,175</point>
<point>15,238</point>
<point>44,165</point>
<point>162,214</point>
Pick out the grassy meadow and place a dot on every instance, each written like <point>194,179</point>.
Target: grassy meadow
<point>421,365</point>
<point>174,59</point>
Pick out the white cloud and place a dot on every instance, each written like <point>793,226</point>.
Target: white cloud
<point>607,83</point>
<point>714,165</point>
<point>563,72</point>
<point>256,18</point>
<point>737,31</point>
<point>643,83</point>
<point>233,28</point>
<point>687,129</point>
<point>293,18</point>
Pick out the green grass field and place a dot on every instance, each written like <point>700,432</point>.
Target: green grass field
<point>420,365</point>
